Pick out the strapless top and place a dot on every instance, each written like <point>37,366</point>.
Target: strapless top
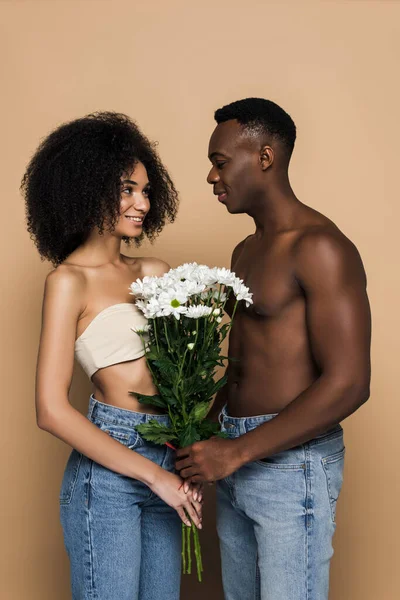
<point>109,339</point>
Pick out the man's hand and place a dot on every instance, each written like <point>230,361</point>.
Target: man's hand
<point>209,461</point>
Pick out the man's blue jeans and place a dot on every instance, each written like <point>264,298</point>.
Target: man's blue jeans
<point>276,518</point>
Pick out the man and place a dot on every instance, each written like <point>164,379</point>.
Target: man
<point>302,363</point>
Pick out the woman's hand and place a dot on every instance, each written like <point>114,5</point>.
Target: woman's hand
<point>169,487</point>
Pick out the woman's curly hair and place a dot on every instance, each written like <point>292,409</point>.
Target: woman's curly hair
<point>73,182</point>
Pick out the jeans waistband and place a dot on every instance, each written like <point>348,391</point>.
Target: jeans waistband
<point>241,425</point>
<point>121,416</point>
<point>237,426</point>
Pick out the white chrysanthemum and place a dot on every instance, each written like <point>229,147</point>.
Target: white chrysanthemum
<point>205,275</point>
<point>198,311</point>
<point>150,308</point>
<point>225,276</point>
<point>192,288</point>
<point>171,302</point>
<point>186,271</point>
<point>141,328</point>
<point>242,292</point>
<point>144,288</point>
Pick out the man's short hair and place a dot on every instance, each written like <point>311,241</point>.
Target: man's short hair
<point>261,116</point>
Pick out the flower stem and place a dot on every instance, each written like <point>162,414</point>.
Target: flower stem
<point>183,548</point>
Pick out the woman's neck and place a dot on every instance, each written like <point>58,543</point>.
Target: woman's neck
<point>101,249</point>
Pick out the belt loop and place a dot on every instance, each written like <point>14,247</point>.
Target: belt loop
<point>222,415</point>
<point>92,406</point>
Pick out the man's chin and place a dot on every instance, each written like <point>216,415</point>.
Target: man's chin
<point>234,210</point>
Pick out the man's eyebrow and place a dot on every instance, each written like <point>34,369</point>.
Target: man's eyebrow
<point>214,154</point>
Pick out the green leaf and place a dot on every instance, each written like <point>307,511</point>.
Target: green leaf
<point>168,395</point>
<point>189,435</point>
<point>209,428</point>
<point>155,432</point>
<point>219,384</point>
<point>151,400</point>
<point>200,411</point>
<point>166,367</point>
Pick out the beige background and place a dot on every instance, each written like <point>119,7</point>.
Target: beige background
<point>334,67</point>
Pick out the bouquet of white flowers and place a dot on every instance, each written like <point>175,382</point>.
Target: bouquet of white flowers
<point>183,340</point>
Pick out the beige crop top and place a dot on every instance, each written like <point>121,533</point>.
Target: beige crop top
<point>109,339</point>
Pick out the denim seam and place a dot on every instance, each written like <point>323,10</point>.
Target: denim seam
<point>281,467</point>
<point>152,494</point>
<point>328,461</point>
<point>328,438</point>
<point>89,533</point>
<point>308,480</point>
<point>333,457</point>
<point>115,422</point>
<point>116,435</point>
<point>68,499</point>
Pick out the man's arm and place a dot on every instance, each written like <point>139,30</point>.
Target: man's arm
<point>329,270</point>
<point>222,395</point>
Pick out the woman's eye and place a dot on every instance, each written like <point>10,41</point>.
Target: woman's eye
<point>127,191</point>
<point>146,192</point>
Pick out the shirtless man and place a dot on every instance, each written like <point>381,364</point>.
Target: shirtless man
<point>303,365</point>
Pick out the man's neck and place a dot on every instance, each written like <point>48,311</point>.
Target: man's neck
<point>276,210</point>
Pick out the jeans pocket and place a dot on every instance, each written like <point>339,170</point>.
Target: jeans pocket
<point>70,477</point>
<point>333,468</point>
<point>289,460</point>
<point>128,436</point>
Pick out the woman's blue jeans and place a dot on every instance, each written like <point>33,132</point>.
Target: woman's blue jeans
<point>123,542</point>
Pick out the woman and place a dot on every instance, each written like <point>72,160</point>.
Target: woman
<point>94,182</point>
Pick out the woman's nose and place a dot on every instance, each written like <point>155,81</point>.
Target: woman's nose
<point>141,202</point>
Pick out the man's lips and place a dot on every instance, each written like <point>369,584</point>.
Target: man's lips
<point>222,196</point>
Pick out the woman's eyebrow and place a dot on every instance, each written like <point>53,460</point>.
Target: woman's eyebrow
<point>129,181</point>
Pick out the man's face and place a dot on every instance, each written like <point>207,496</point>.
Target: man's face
<point>236,173</point>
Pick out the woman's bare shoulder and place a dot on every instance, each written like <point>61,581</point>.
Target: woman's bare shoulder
<point>151,266</point>
<point>67,277</point>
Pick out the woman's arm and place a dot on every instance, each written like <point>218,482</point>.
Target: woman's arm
<point>62,306</point>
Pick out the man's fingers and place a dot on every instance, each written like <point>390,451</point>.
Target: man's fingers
<point>188,473</point>
<point>183,463</point>
<point>183,452</point>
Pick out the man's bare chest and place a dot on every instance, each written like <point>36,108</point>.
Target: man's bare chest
<point>269,273</point>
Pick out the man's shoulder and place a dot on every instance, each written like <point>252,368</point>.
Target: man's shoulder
<point>323,249</point>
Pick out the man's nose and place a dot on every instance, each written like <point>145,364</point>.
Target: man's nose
<point>213,176</point>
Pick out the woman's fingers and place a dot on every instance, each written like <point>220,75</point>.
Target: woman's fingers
<point>193,513</point>
<point>183,516</point>
<point>198,507</point>
<point>197,491</point>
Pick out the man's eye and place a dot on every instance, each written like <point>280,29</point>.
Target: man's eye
<point>220,165</point>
